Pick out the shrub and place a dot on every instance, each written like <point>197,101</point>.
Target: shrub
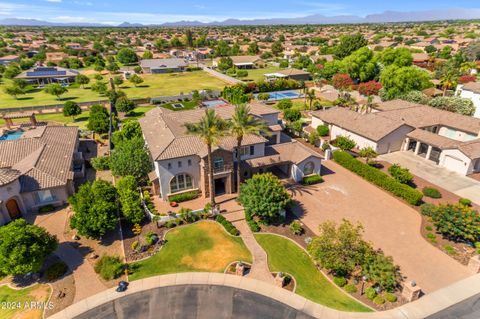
<point>370,293</point>
<point>350,288</point>
<point>56,271</point>
<point>449,249</point>
<point>296,228</point>
<point>344,143</point>
<point>135,245</point>
<point>229,227</point>
<point>151,238</point>
<point>457,222</point>
<point>46,209</point>
<point>431,192</point>
<point>101,163</point>
<point>401,174</point>
<point>340,281</point>
<point>378,300</point>
<point>427,209</point>
<point>323,130</point>
<point>312,179</point>
<point>390,297</point>
<point>254,227</point>
<point>431,236</point>
<point>183,197</point>
<point>325,146</point>
<point>285,104</point>
<point>428,228</point>
<point>465,202</point>
<point>378,178</point>
<point>292,115</point>
<point>170,224</point>
<point>109,267</point>
<point>313,138</point>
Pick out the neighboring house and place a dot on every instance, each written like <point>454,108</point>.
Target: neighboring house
<point>242,61</point>
<point>47,75</point>
<point>55,57</point>
<point>5,60</point>
<point>291,74</point>
<point>203,53</point>
<point>156,66</point>
<point>38,169</point>
<point>470,91</point>
<point>180,159</point>
<point>449,139</point>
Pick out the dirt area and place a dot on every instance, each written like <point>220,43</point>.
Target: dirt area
<point>129,238</point>
<point>63,289</point>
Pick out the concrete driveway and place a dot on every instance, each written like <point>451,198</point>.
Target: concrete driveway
<point>389,224</point>
<point>460,185</point>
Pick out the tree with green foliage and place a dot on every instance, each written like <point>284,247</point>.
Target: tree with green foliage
<point>130,200</point>
<point>277,48</point>
<point>118,80</point>
<point>82,80</point>
<point>457,222</point>
<point>127,56</point>
<point>124,104</point>
<point>130,129</point>
<point>209,129</point>
<point>382,270</point>
<point>397,81</point>
<point>72,109</point>
<point>399,57</point>
<point>55,89</point>
<point>401,174</point>
<point>24,247</point>
<point>454,104</point>
<point>99,120</point>
<point>147,55</point>
<point>360,65</point>
<point>339,249</point>
<point>253,48</point>
<point>368,153</point>
<point>14,91</point>
<point>225,63</point>
<point>112,67</point>
<point>99,87</point>
<point>12,71</point>
<point>349,44</point>
<point>95,209</point>
<point>344,143</point>
<point>135,79</point>
<point>264,196</point>
<point>131,157</point>
<point>243,124</point>
<point>292,115</point>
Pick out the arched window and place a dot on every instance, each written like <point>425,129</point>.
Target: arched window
<point>308,168</point>
<point>181,182</point>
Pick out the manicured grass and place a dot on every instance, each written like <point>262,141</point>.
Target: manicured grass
<point>284,255</point>
<point>258,74</point>
<point>37,293</point>
<point>204,246</point>
<point>186,106</point>
<point>153,85</point>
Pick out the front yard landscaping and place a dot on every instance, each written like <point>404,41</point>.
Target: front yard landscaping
<point>204,246</point>
<point>19,300</point>
<point>286,256</point>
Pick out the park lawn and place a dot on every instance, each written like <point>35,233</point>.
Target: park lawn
<point>37,293</point>
<point>286,256</point>
<point>203,247</point>
<point>186,106</point>
<point>153,85</point>
<point>258,74</point>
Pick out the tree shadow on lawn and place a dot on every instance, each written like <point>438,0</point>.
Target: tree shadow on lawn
<point>68,98</point>
<point>143,86</point>
<point>81,119</point>
<point>24,98</point>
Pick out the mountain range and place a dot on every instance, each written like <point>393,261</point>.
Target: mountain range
<point>384,17</point>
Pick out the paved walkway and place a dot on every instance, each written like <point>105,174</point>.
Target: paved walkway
<point>388,223</point>
<point>259,268</point>
<point>87,282</point>
<point>220,75</point>
<point>460,185</point>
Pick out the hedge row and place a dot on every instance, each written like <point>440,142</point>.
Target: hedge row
<point>377,177</point>
<point>312,179</point>
<point>183,197</point>
<point>228,225</point>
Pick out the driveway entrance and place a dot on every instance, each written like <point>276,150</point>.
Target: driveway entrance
<point>458,184</point>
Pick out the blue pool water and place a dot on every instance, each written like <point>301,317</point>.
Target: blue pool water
<point>11,136</point>
<point>213,103</point>
<point>274,96</point>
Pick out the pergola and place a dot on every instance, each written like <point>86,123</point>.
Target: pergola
<point>18,115</point>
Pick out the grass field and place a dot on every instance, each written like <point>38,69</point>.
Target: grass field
<point>203,246</point>
<point>153,85</point>
<point>19,299</point>
<point>257,74</point>
<point>284,255</point>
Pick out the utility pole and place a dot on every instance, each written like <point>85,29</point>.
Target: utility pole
<point>113,112</point>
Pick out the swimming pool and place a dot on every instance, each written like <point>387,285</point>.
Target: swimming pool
<point>214,103</point>
<point>275,96</point>
<point>10,136</point>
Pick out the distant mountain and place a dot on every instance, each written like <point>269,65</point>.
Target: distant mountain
<point>387,16</point>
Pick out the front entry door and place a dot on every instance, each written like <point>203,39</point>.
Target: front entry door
<point>13,209</point>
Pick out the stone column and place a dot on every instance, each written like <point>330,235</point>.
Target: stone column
<point>429,151</point>
<point>407,142</point>
<point>279,279</point>
<point>417,148</point>
<point>240,269</point>
<point>474,264</point>
<point>411,291</point>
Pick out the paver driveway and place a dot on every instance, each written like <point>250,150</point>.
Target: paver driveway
<point>389,224</point>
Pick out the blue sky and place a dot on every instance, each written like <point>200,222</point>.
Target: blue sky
<point>149,11</point>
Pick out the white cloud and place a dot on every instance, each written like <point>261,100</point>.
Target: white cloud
<point>56,1</point>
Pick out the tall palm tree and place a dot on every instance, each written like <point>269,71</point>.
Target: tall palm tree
<point>242,124</point>
<point>209,129</point>
<point>310,96</point>
<point>448,81</point>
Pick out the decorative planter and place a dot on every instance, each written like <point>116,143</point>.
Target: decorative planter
<point>173,204</point>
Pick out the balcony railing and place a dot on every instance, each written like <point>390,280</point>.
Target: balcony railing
<point>222,169</point>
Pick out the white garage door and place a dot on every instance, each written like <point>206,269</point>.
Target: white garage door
<point>454,164</point>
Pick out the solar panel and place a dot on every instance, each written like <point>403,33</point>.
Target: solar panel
<point>47,73</point>
<point>40,69</point>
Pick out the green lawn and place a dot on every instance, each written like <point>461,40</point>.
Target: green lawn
<point>203,246</point>
<point>284,255</point>
<point>257,74</point>
<point>153,85</point>
<point>37,293</point>
<point>186,106</point>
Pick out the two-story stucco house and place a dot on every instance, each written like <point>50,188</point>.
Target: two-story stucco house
<point>37,170</point>
<point>470,91</point>
<point>448,139</point>
<point>180,159</point>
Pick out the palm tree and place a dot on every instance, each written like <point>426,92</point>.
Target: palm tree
<point>447,80</point>
<point>242,124</point>
<point>209,129</point>
<point>310,96</point>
